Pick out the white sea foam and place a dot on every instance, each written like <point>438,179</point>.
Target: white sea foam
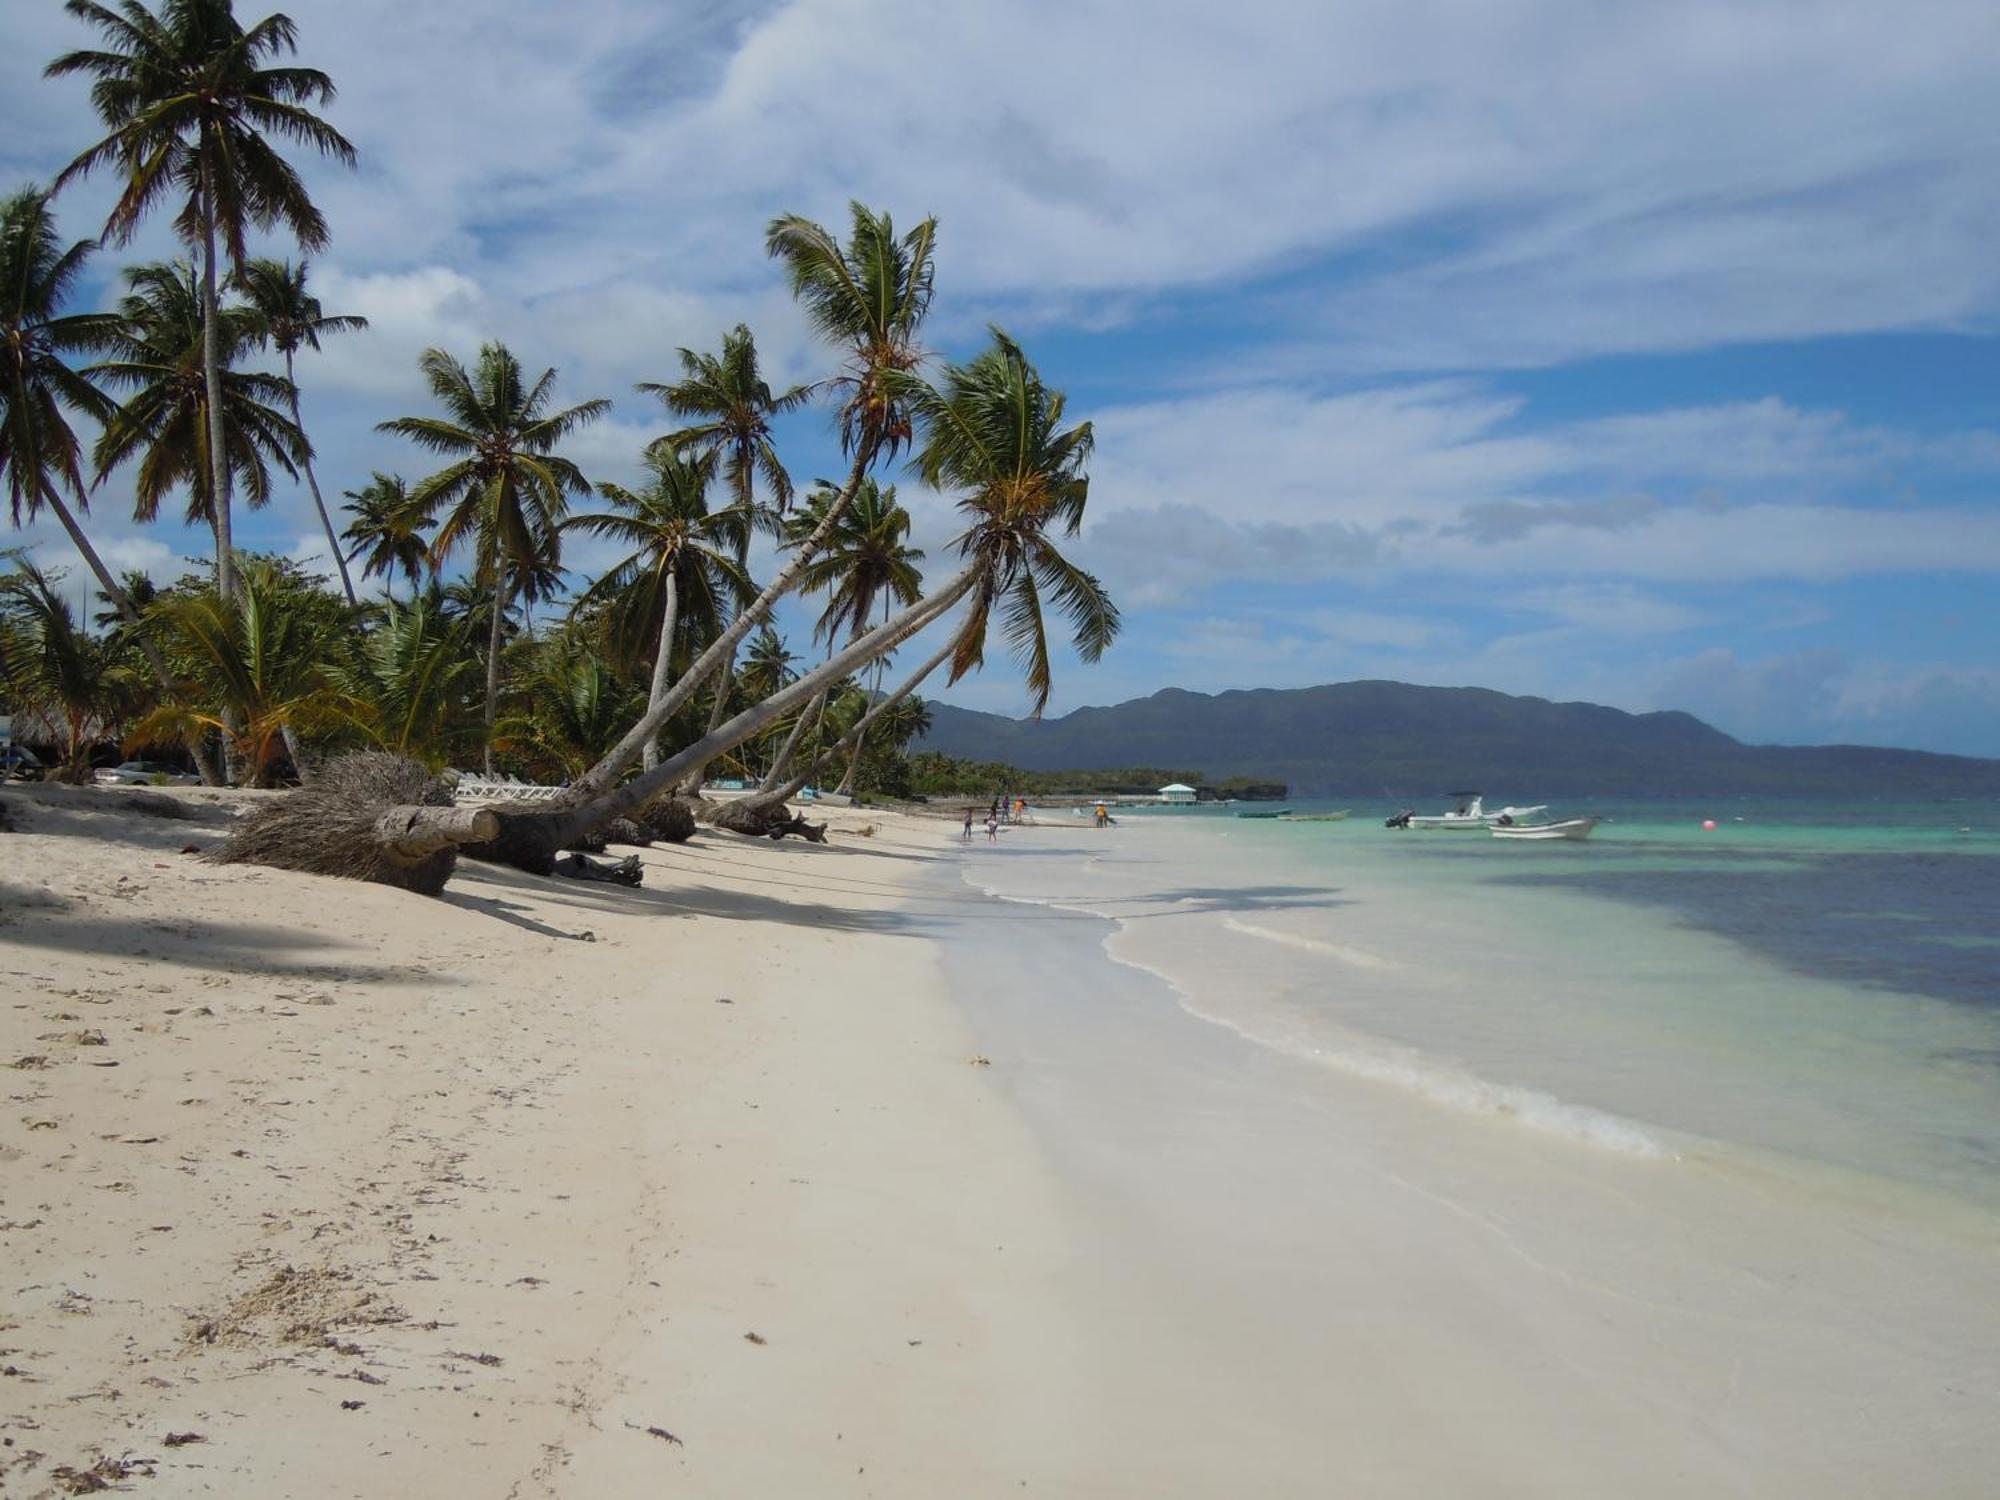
<point>1358,957</point>
<point>1432,1079</point>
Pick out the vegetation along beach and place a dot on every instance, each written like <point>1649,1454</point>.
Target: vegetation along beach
<point>859,749</point>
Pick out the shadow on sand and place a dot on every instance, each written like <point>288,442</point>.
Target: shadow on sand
<point>37,919</point>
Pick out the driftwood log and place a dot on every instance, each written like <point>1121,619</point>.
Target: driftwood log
<point>626,871</point>
<point>763,819</point>
<point>365,817</point>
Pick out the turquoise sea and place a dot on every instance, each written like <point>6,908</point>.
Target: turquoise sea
<point>1816,985</point>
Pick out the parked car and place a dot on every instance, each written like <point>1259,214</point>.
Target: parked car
<point>144,773</point>
<point>19,763</point>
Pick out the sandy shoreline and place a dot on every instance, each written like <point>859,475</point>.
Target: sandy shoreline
<point>378,1194</point>
<point>547,1189</point>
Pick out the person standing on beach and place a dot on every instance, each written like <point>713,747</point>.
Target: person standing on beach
<point>993,828</point>
<point>967,835</point>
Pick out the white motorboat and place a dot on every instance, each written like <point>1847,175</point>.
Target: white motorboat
<point>1568,828</point>
<point>1471,812</point>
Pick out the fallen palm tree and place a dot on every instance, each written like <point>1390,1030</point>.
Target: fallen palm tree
<point>370,817</point>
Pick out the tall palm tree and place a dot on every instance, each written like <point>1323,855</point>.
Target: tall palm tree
<point>993,431</point>
<point>732,405</point>
<point>156,353</point>
<point>506,489</point>
<point>189,109</point>
<point>288,319</point>
<point>40,454</point>
<point>868,298</point>
<point>684,570</point>
<point>54,667</point>
<point>386,533</point>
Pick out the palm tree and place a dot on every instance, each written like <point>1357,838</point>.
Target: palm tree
<point>40,453</point>
<point>733,406</point>
<point>685,570</point>
<point>288,319</point>
<point>506,489</point>
<point>993,430</point>
<point>188,107</point>
<point>417,674</point>
<point>869,299</point>
<point>568,706</point>
<point>387,531</point>
<point>52,666</point>
<point>257,673</point>
<point>767,666</point>
<point>156,346</point>
<point>864,559</point>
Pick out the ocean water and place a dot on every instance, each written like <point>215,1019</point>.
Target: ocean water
<point>1813,989</point>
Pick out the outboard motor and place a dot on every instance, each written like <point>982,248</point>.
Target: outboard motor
<point>1401,820</point>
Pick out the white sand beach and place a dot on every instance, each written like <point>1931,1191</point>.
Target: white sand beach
<point>814,1170</point>
<point>375,1194</point>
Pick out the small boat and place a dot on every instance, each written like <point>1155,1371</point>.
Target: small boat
<point>1276,812</point>
<point>1337,817</point>
<point>1470,813</point>
<point>1568,828</point>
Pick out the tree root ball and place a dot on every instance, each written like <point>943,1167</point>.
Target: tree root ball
<point>670,820</point>
<point>329,828</point>
<point>766,819</point>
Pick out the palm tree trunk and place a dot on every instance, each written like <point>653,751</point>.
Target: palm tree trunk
<point>784,757</point>
<point>724,681</point>
<point>493,660</point>
<point>542,832</point>
<point>600,778</point>
<point>661,657</point>
<point>859,732</point>
<point>312,482</point>
<point>112,590</point>
<point>211,374</point>
<point>218,460</point>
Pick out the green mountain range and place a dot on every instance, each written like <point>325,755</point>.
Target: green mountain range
<point>1393,740</point>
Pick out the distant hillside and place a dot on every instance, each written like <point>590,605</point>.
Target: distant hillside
<point>1392,740</point>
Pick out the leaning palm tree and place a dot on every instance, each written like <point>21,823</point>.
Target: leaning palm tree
<point>506,489</point>
<point>40,453</point>
<point>288,319</point>
<point>52,666</point>
<point>993,431</point>
<point>868,298</point>
<point>157,347</point>
<point>386,534</point>
<point>189,108</point>
<point>684,571</point>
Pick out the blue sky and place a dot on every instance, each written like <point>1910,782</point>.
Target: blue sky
<point>1634,353</point>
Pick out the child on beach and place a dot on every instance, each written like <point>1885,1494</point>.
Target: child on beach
<point>968,824</point>
<point>993,828</point>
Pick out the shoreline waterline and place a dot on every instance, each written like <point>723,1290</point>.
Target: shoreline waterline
<point>1768,1304</point>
